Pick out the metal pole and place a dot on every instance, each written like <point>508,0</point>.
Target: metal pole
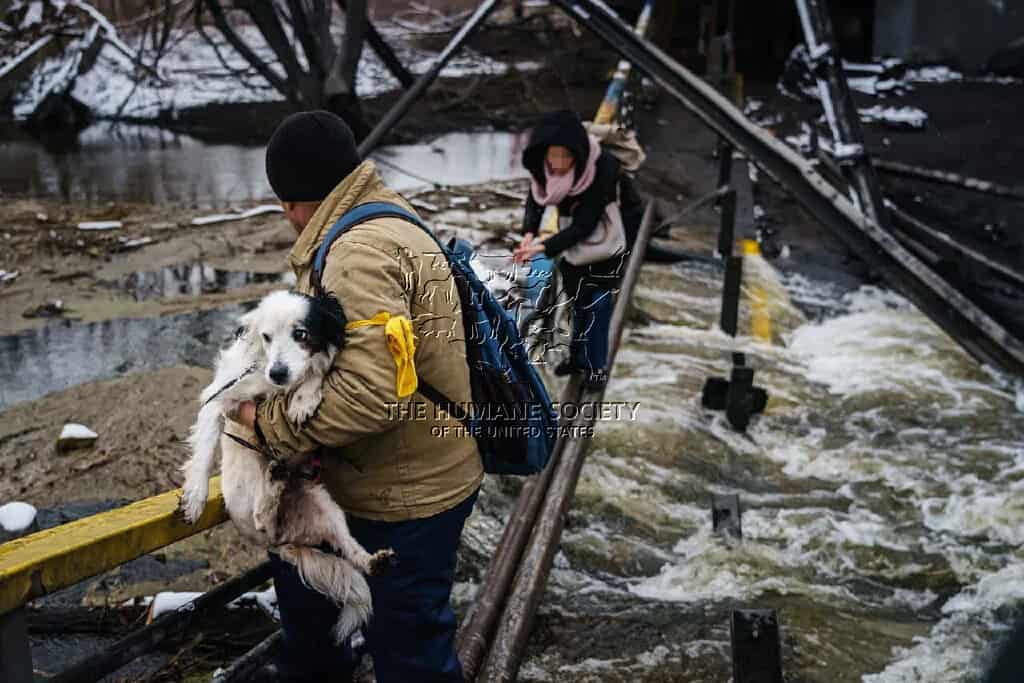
<point>727,229</point>
<point>609,108</point>
<point>945,177</point>
<point>414,93</point>
<point>476,631</point>
<point>840,113</point>
<point>724,163</point>
<point>963,251</point>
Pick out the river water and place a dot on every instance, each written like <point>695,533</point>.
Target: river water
<point>882,497</point>
<point>881,489</point>
<point>123,162</point>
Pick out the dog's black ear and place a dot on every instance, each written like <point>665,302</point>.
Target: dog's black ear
<point>334,319</point>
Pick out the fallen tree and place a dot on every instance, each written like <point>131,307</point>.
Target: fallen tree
<point>318,73</point>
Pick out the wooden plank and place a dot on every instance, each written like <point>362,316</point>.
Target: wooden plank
<point>56,558</point>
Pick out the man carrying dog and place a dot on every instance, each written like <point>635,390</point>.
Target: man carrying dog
<point>402,487</point>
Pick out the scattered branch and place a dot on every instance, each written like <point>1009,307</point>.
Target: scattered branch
<point>240,46</point>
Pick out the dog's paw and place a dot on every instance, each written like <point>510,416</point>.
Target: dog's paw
<point>304,402</point>
<point>381,560</point>
<point>192,502</point>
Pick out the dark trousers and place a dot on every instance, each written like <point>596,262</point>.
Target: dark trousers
<point>411,636</point>
<point>592,289</point>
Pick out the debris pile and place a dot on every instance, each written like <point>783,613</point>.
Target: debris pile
<point>49,47</point>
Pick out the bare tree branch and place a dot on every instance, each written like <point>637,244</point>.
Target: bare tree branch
<point>322,21</point>
<point>243,75</point>
<point>342,77</point>
<point>304,32</point>
<point>221,22</point>
<point>266,19</point>
<point>384,51</point>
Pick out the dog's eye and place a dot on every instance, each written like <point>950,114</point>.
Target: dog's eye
<point>300,335</point>
<point>266,337</point>
<point>239,332</point>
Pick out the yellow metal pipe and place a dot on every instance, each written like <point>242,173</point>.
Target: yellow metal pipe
<point>56,558</point>
<point>760,316</point>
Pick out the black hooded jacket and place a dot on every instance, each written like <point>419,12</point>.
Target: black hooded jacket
<point>564,128</point>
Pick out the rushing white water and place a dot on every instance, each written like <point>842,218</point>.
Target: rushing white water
<point>883,490</point>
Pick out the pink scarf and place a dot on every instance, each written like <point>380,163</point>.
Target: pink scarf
<point>558,187</point>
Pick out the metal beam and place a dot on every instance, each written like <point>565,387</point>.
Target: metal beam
<point>417,90</point>
<point>984,338</point>
<point>963,251</point>
<point>947,178</point>
<point>478,627</point>
<point>56,558</point>
<point>841,115</point>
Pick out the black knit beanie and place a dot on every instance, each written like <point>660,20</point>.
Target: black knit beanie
<point>308,155</point>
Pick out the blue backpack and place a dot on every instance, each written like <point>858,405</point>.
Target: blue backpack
<point>513,421</point>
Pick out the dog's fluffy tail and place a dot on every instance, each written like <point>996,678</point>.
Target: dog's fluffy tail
<point>336,578</point>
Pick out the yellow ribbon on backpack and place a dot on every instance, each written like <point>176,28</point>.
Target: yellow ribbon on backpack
<point>402,345</point>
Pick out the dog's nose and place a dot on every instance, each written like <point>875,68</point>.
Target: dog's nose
<point>278,374</point>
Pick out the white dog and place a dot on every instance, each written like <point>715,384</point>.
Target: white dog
<point>288,342</point>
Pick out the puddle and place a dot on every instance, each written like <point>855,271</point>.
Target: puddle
<point>63,354</point>
<point>190,279</point>
<point>117,162</point>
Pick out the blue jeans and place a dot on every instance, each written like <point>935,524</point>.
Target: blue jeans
<point>592,289</point>
<point>411,636</point>
<point>591,318</point>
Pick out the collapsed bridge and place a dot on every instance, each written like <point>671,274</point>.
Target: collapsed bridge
<point>38,565</point>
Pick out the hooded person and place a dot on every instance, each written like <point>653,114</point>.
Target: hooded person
<point>568,170</point>
<point>404,473</point>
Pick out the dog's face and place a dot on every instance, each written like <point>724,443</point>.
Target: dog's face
<point>294,329</point>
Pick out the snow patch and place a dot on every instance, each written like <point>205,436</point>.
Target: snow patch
<point>16,517</point>
<point>900,117</point>
<point>100,225</point>
<point>238,215</point>
<point>77,431</point>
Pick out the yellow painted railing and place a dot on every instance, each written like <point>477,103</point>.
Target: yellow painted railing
<point>56,558</point>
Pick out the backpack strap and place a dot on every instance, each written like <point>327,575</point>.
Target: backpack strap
<point>362,214</point>
<point>443,402</point>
